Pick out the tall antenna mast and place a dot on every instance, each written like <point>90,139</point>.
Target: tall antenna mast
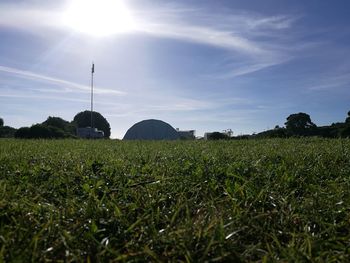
<point>92,95</point>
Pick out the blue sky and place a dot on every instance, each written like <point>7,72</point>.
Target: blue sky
<point>203,65</point>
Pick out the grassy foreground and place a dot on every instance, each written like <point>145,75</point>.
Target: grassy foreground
<point>91,201</point>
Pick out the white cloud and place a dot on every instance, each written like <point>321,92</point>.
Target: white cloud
<point>247,69</point>
<point>203,35</point>
<point>330,83</point>
<point>27,18</point>
<point>236,32</point>
<point>272,22</point>
<point>67,85</point>
<point>260,41</point>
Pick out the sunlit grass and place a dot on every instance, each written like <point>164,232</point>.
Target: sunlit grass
<point>268,200</point>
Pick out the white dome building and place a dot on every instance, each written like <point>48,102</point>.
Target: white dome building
<point>151,130</point>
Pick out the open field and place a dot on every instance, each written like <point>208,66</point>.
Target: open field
<point>256,200</point>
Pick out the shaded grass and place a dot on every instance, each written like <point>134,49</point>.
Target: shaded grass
<point>259,200</point>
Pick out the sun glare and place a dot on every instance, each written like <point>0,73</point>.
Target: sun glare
<point>99,17</point>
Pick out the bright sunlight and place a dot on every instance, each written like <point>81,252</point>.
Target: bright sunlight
<point>99,17</point>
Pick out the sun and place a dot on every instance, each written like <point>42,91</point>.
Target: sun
<point>99,17</point>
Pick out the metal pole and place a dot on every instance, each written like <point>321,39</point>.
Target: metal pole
<point>92,97</point>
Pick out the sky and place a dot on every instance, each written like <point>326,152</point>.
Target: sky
<point>205,65</point>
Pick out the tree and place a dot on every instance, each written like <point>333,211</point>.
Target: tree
<point>7,132</point>
<point>23,133</point>
<point>56,122</point>
<point>300,124</point>
<point>1,122</point>
<point>345,132</point>
<point>83,119</point>
<point>40,131</point>
<point>61,124</point>
<point>277,132</point>
<point>218,136</point>
<point>348,118</point>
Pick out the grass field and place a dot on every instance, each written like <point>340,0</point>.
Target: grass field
<point>256,200</point>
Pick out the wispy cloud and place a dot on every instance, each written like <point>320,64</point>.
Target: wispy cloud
<point>65,85</point>
<point>237,32</point>
<point>272,22</point>
<point>203,35</point>
<point>258,40</point>
<point>241,70</point>
<point>41,97</point>
<point>29,18</point>
<point>330,83</point>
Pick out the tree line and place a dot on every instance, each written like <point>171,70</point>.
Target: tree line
<point>57,128</point>
<point>297,125</point>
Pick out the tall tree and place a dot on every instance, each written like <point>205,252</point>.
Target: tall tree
<point>60,123</point>
<point>56,122</point>
<point>83,119</point>
<point>218,136</point>
<point>300,124</point>
<point>1,122</point>
<point>348,118</point>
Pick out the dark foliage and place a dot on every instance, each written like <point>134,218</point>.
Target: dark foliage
<point>328,131</point>
<point>23,133</point>
<point>300,124</point>
<point>7,132</point>
<point>40,131</point>
<point>242,137</point>
<point>275,133</point>
<point>83,119</point>
<point>345,132</point>
<point>55,122</point>
<point>218,136</point>
<point>61,124</point>
<point>348,118</point>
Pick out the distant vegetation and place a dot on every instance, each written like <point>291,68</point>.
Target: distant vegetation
<point>83,119</point>
<point>218,136</point>
<point>6,131</point>
<point>297,125</point>
<point>56,127</point>
<point>300,125</point>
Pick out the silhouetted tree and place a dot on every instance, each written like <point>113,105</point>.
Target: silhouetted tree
<point>40,131</point>
<point>61,124</point>
<point>277,132</point>
<point>348,118</point>
<point>218,136</point>
<point>7,132</point>
<point>300,124</point>
<point>23,133</point>
<point>83,119</point>
<point>345,132</point>
<point>1,122</point>
<point>56,122</point>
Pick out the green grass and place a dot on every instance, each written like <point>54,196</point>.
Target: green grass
<point>257,200</point>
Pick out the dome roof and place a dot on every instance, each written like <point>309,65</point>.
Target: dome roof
<point>151,130</point>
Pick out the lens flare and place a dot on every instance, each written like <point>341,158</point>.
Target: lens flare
<point>99,17</point>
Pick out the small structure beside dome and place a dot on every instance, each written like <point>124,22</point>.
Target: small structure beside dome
<point>90,133</point>
<point>186,135</point>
